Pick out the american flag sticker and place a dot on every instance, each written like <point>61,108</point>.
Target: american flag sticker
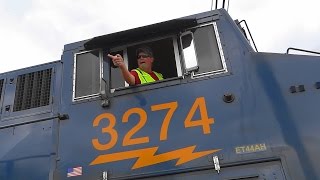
<point>77,171</point>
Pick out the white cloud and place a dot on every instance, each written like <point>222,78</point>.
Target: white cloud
<point>277,25</point>
<point>34,31</point>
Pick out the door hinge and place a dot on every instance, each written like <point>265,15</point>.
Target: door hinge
<point>63,116</point>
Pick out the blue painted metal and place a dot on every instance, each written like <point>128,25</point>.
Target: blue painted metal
<point>41,146</point>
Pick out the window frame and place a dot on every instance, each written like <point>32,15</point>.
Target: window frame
<point>80,98</point>
<point>224,69</point>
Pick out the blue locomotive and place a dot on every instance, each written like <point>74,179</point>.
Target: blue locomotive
<point>223,110</point>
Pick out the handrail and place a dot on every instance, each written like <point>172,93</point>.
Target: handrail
<point>249,34</point>
<point>303,50</point>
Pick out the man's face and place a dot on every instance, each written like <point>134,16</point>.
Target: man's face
<point>144,60</point>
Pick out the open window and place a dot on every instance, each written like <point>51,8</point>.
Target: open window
<point>87,74</point>
<point>202,51</point>
<point>166,59</point>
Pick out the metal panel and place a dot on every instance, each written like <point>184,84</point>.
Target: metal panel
<point>254,171</point>
<point>28,151</point>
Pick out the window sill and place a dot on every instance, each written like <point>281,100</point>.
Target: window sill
<point>146,87</point>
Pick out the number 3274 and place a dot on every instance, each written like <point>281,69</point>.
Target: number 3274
<point>171,107</point>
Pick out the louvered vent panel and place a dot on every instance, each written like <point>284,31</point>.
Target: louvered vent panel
<point>33,90</point>
<point>1,85</point>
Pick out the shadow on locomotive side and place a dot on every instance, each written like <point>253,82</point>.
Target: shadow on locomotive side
<point>223,110</point>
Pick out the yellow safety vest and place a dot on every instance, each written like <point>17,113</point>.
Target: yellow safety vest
<point>146,77</point>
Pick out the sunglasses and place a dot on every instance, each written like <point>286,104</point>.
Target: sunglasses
<point>142,56</point>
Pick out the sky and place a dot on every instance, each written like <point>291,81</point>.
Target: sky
<point>34,32</point>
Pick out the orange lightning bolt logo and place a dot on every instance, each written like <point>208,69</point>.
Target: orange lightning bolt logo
<point>147,157</point>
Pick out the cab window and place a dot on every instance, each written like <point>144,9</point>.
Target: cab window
<point>87,69</point>
<point>199,48</point>
<point>207,50</point>
<point>206,53</point>
<point>166,60</point>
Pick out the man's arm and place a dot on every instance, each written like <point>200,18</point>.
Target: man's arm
<point>118,61</point>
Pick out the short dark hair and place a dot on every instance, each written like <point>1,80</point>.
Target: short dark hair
<point>145,49</point>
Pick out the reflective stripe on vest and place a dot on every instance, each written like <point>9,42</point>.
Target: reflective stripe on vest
<point>146,77</point>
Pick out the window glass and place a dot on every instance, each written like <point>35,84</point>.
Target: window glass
<point>87,80</point>
<point>207,50</point>
<point>116,75</point>
<point>189,52</point>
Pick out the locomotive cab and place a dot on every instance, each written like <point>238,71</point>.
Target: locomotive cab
<point>184,50</point>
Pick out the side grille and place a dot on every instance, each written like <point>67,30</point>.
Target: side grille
<point>33,90</point>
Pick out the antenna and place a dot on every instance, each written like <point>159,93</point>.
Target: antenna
<point>228,6</point>
<point>211,5</point>
<point>223,4</point>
